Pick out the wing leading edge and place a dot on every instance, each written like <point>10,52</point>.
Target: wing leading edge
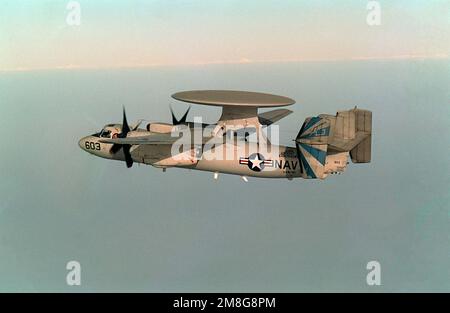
<point>154,139</point>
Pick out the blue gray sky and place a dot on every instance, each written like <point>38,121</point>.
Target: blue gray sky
<point>140,229</point>
<point>35,35</point>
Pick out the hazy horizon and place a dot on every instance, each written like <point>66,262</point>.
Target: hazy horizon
<point>37,34</point>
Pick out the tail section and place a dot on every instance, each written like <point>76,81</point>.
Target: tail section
<point>325,142</point>
<point>312,146</point>
<point>362,152</point>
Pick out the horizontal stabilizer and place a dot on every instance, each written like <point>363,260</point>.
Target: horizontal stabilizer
<point>268,118</point>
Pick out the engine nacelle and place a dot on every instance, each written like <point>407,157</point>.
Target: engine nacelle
<point>162,128</point>
<point>187,158</point>
<point>163,156</point>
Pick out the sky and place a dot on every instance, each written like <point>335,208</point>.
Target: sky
<point>141,229</point>
<point>35,34</point>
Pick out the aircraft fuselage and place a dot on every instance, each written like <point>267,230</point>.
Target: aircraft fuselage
<point>238,158</point>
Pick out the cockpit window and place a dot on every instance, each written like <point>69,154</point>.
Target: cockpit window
<point>105,134</point>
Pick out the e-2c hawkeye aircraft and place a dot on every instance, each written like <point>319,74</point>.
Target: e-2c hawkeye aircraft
<point>322,146</point>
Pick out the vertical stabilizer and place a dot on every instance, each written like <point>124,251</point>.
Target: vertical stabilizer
<point>362,152</point>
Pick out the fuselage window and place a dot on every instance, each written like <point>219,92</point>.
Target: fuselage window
<point>105,134</point>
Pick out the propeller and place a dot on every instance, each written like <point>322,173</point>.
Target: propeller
<point>182,120</point>
<point>126,148</point>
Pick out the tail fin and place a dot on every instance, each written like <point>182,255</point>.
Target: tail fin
<point>325,141</point>
<point>362,152</point>
<point>312,146</point>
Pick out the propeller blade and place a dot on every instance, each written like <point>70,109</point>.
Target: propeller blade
<point>183,119</point>
<point>128,158</point>
<point>115,148</point>
<point>135,126</point>
<point>126,148</point>
<point>174,119</point>
<point>125,126</point>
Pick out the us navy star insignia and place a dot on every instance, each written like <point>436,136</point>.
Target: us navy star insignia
<point>256,162</point>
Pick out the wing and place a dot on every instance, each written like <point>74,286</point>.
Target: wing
<point>154,139</point>
<point>268,118</point>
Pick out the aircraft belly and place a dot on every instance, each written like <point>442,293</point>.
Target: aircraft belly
<point>281,165</point>
<point>233,167</point>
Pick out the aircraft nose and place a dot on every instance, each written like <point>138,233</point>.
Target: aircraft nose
<point>81,143</point>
